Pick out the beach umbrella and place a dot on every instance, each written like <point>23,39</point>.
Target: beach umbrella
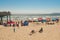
<point>35,19</point>
<point>44,19</point>
<point>54,19</point>
<point>48,19</point>
<point>57,19</point>
<point>30,19</point>
<point>39,18</point>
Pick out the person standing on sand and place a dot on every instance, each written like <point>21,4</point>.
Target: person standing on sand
<point>14,29</point>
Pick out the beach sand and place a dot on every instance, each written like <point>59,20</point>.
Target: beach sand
<point>50,32</point>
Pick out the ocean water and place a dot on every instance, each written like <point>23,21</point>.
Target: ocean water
<point>27,16</point>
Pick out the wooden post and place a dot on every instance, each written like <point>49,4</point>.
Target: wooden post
<point>10,19</point>
<point>1,20</point>
<point>7,18</point>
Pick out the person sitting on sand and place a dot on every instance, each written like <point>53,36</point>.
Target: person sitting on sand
<point>17,25</point>
<point>13,25</point>
<point>5,24</point>
<point>41,30</point>
<point>10,25</point>
<point>32,31</point>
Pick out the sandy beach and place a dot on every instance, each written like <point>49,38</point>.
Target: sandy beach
<point>50,32</point>
<point>29,19</point>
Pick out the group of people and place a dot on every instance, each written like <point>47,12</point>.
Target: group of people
<point>33,31</point>
<point>11,24</point>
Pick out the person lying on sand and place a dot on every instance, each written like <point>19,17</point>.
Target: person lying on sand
<point>32,32</point>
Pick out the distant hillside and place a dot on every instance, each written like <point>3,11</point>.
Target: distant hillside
<point>56,13</point>
<point>52,14</point>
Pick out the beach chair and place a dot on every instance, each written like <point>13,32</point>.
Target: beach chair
<point>26,23</point>
<point>57,20</point>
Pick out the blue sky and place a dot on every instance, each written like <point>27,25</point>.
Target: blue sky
<point>30,6</point>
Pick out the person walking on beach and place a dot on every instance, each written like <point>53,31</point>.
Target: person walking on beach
<point>14,29</point>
